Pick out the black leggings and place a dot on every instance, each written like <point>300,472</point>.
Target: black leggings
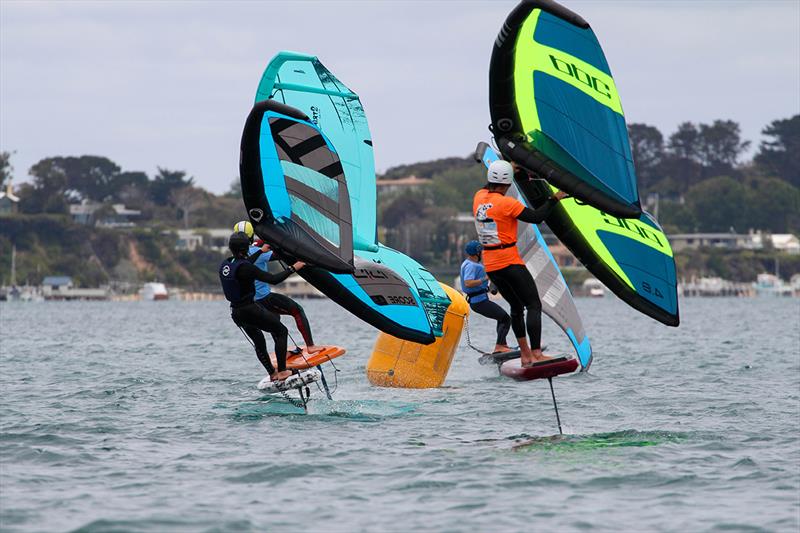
<point>283,305</point>
<point>489,309</point>
<point>516,285</point>
<point>253,318</point>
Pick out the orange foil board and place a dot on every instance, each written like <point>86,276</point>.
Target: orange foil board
<point>310,360</point>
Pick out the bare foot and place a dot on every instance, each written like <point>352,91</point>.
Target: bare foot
<point>539,357</point>
<point>314,349</point>
<point>280,376</point>
<point>526,354</point>
<point>502,348</point>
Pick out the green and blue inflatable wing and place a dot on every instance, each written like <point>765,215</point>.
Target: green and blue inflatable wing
<point>555,111</point>
<point>555,108</point>
<point>632,257</point>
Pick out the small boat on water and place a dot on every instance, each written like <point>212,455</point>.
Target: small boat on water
<point>594,288</point>
<point>154,291</point>
<point>771,285</point>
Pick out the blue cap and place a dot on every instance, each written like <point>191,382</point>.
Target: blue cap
<point>473,248</point>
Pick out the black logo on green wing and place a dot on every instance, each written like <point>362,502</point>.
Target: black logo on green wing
<point>585,78</point>
<point>643,231</point>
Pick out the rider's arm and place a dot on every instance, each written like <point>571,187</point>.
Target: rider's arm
<point>538,215</point>
<point>250,271</point>
<point>473,282</point>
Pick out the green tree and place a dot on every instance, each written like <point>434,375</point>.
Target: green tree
<point>719,146</point>
<point>94,177</point>
<point>676,217</point>
<point>685,141</point>
<point>780,155</point>
<point>682,163</point>
<point>647,147</point>
<point>427,169</point>
<point>187,199</point>
<point>77,178</point>
<point>719,204</point>
<point>49,175</point>
<point>136,179</point>
<point>6,169</point>
<point>774,205</point>
<point>455,187</point>
<point>167,181</point>
<point>32,200</point>
<point>402,209</point>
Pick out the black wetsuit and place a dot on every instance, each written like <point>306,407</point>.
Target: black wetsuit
<point>489,309</point>
<point>517,286</point>
<point>283,305</point>
<point>238,281</point>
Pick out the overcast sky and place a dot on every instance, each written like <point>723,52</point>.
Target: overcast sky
<point>169,84</point>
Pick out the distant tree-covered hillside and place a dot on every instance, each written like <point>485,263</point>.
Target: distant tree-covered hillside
<point>696,180</point>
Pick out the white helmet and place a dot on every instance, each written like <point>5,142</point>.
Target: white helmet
<point>500,172</point>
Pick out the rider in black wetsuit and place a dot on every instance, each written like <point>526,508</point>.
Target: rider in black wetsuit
<point>277,303</point>
<point>238,275</point>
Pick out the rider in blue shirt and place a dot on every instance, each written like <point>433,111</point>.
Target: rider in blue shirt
<point>277,303</point>
<point>475,284</point>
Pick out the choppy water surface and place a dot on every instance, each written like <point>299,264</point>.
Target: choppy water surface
<point>145,417</point>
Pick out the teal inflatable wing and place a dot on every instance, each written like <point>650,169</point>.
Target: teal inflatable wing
<point>294,188</point>
<point>555,108</point>
<point>308,182</point>
<point>390,291</point>
<point>303,82</point>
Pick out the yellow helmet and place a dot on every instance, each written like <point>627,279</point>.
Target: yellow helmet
<point>246,227</point>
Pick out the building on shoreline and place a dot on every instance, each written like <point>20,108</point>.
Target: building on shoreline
<point>409,183</point>
<point>754,240</point>
<point>192,239</point>
<point>61,288</point>
<point>94,213</point>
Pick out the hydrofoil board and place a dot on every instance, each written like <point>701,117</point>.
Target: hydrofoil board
<point>498,358</point>
<point>295,381</point>
<point>545,369</point>
<point>304,360</point>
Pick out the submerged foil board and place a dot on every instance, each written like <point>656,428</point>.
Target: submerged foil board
<point>295,381</point>
<point>545,369</point>
<point>305,360</point>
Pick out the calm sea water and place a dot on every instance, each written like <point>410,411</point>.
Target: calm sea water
<point>145,417</point>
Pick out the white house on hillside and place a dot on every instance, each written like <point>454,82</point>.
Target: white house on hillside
<point>9,202</point>
<point>120,217</point>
